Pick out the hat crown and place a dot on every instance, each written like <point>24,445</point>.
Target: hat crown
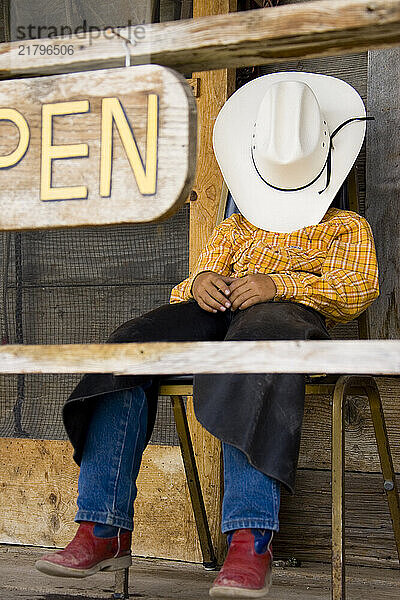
<point>290,131</point>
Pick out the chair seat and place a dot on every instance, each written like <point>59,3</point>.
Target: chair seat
<point>188,379</point>
<point>182,385</point>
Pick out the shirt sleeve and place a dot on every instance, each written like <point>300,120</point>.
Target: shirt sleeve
<point>348,283</point>
<point>216,256</point>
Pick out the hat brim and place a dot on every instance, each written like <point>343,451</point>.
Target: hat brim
<point>262,205</point>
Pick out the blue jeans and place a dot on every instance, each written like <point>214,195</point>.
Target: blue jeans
<point>111,460</point>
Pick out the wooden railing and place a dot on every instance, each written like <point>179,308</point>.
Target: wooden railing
<point>311,356</point>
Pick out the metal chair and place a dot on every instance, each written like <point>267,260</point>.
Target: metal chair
<point>339,387</point>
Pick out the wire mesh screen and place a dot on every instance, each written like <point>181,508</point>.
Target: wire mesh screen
<point>76,286</point>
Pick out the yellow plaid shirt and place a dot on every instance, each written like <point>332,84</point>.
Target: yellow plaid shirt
<point>331,266</point>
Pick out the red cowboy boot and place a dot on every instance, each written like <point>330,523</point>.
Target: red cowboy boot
<point>87,554</point>
<point>246,573</point>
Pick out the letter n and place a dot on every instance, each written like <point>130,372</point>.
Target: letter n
<point>146,177</point>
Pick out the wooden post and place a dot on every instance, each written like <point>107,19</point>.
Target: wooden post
<point>215,88</point>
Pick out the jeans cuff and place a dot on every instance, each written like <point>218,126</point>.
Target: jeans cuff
<point>105,518</point>
<point>249,524</point>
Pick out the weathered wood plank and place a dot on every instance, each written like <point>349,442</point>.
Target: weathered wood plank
<point>305,531</point>
<point>311,356</point>
<point>216,87</point>
<point>103,179</point>
<point>241,39</point>
<point>38,493</point>
<point>383,187</point>
<point>361,450</point>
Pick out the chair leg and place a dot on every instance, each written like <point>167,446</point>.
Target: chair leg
<point>385,457</point>
<point>121,584</point>
<point>338,515</point>
<point>192,477</point>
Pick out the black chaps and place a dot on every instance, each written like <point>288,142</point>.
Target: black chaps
<point>259,413</point>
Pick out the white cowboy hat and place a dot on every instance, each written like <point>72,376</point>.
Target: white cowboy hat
<point>273,140</point>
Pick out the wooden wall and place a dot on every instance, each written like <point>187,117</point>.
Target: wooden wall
<point>383,186</point>
<point>39,479</point>
<point>38,489</point>
<point>305,517</point>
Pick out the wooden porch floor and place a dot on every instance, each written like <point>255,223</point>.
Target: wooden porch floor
<point>153,579</point>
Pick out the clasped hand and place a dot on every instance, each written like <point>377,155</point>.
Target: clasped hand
<point>214,292</point>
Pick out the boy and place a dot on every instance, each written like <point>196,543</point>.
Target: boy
<point>278,270</point>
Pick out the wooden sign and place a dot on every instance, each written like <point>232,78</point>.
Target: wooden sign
<point>94,148</point>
